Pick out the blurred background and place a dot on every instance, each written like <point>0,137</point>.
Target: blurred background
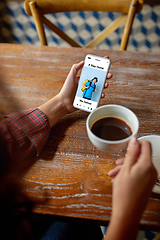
<point>17,27</point>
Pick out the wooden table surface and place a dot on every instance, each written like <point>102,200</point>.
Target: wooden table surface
<point>70,173</point>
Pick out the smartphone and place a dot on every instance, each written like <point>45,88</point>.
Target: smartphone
<point>91,82</point>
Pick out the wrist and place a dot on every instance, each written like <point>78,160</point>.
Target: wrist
<point>122,227</point>
<point>54,109</point>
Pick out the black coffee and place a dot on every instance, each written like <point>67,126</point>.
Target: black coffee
<point>111,129</point>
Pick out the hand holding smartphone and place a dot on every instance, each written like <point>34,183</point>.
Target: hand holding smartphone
<point>91,82</point>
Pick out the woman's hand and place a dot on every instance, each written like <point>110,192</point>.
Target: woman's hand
<point>132,186</point>
<point>113,172</point>
<point>134,182</point>
<point>62,103</point>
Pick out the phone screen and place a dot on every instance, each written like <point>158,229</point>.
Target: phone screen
<point>91,83</point>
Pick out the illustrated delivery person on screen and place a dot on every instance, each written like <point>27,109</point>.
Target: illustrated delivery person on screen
<point>89,87</point>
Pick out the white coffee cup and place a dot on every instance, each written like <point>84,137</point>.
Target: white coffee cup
<point>114,111</point>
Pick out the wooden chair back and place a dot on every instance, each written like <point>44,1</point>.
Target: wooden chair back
<point>128,8</point>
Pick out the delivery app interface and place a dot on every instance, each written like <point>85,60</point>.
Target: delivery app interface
<point>91,83</point>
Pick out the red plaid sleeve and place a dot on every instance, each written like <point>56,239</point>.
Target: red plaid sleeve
<point>25,130</point>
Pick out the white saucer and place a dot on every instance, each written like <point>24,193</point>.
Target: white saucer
<point>155,142</point>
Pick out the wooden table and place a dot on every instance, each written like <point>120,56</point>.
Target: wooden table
<point>71,174</point>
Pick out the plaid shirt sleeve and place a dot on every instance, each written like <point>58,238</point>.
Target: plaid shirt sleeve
<point>24,131</point>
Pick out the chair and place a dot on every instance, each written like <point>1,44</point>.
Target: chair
<point>128,8</point>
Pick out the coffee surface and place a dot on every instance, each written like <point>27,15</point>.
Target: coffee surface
<point>111,129</point>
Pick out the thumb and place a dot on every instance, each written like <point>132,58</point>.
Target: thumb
<point>75,68</point>
<point>132,152</point>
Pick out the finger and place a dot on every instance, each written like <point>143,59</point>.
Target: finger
<point>79,65</point>
<point>75,68</point>
<point>112,180</point>
<point>106,85</point>
<point>145,162</point>
<point>132,152</point>
<point>146,151</point>
<point>106,57</point>
<point>109,75</point>
<point>78,77</point>
<point>120,161</point>
<point>113,172</point>
<point>102,95</point>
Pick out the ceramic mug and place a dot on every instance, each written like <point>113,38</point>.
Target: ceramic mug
<point>113,111</point>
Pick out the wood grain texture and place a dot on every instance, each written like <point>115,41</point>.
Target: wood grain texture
<point>70,174</point>
<point>52,6</point>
